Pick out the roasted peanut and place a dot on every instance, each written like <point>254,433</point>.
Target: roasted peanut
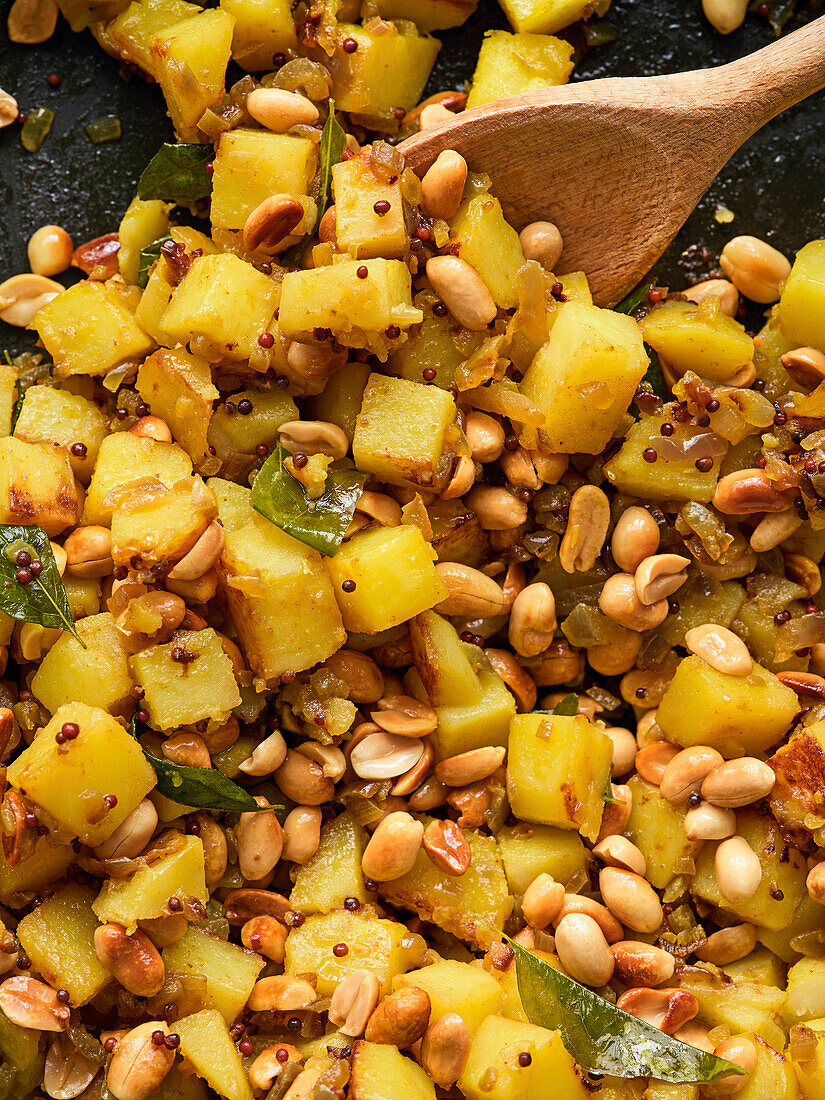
<point>433,115</point>
<point>267,1067</point>
<point>133,960</point>
<point>587,523</point>
<point>725,16</point>
<point>139,1065</point>
<point>532,620</point>
<point>404,716</point>
<point>32,21</point>
<point>152,427</point>
<point>8,109</point>
<point>515,676</point>
<point>354,1001</point>
<point>773,529</point>
<point>659,576</point>
<point>723,291</point>
<point>747,491</point>
<point>267,936</point>
<point>707,822</point>
<point>738,870</point>
<point>49,250</point>
<point>312,437</point>
<point>411,779</point>
<point>259,841</point>
<point>66,1073</point>
<point>270,224</point>
<point>22,296</point>
<point>583,950</point>
<point>462,290</point>
<point>666,1009</point>
<point>728,944</point>
<point>686,771</point>
<point>400,1018</point>
<point>281,993</point>
<point>28,1002</point>
<point>542,901</point>
<point>631,899</point>
<point>215,848</point>
<point>445,1049</point>
<point>815,883</point>
<point>203,555</point>
<point>384,756</point>
<point>359,672</point>
<point>302,834</point>
<point>472,594</point>
<point>543,242</point>
<point>652,760</point>
<point>393,848</point>
<point>188,749</point>
<point>443,185</point>
<point>806,366</point>
<point>720,648</point>
<point>469,767</point>
<point>581,904</point>
<point>279,110</point>
<point>620,602</point>
<point>624,750</point>
<point>497,508</point>
<point>266,757</point>
<point>132,835</point>
<point>447,847</point>
<point>741,1050</point>
<point>485,435</point>
<point>754,267</point>
<point>642,964</point>
<point>635,537</point>
<point>739,782</point>
<point>616,814</point>
<point>618,851</point>
<point>302,780</point>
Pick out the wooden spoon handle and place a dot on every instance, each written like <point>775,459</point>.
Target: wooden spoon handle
<point>777,76</point>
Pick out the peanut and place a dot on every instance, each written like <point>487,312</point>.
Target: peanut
<point>462,290</point>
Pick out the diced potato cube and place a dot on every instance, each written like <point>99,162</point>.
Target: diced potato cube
<point>52,416</point>
<point>773,1078</point>
<point>428,15</point>
<point>70,780</point>
<point>8,397</point>
<point>547,16</point>
<point>83,595</point>
<point>394,576</point>
<point>696,338</point>
<point>488,243</point>
<point>443,662</point>
<point>382,946</point>
<point>782,887</point>
<point>189,61</point>
<point>798,796</point>
<point>174,869</point>
<point>48,863</point>
<point>206,1043</point>
<point>810,1071</point>
<point>251,165</point>
<point>401,428</point>
<point>223,301</point>
<point>657,828</point>
<point>389,69</point>
<point>181,691</point>
<point>802,305</point>
<point>340,400</point>
<point>473,906</point>
<point>669,477</point>
<point>58,937</point>
<point>160,526</point>
<point>454,986</point>
<point>528,851</point>
<point>230,971</point>
<point>263,28</point>
<point>178,387</point>
<point>438,343</point>
<point>334,872</point>
<point>145,221</point>
<point>584,377</point>
<point>761,965</point>
<point>129,33</point>
<point>744,1007</point>
<point>153,304</point>
<point>558,769</point>
<point>37,486</point>
<point>806,991</point>
<point>88,329</point>
<point>277,593</point>
<point>474,725</point>
<point>382,1072</point>
<point>509,64</point>
<point>359,230</point>
<point>335,298</point>
<point>493,1071</point>
<point>235,436</point>
<point>97,676</point>
<point>738,715</point>
<point>123,458</point>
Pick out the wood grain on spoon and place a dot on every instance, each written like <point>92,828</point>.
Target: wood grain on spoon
<point>619,164</point>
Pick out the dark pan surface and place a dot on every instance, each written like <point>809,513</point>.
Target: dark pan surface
<point>775,185</point>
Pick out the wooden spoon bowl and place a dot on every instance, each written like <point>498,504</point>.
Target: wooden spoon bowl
<point>619,164</point>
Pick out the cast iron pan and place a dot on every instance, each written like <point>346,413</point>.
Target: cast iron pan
<point>775,185</point>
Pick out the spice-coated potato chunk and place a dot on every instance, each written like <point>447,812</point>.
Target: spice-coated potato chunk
<point>173,867</point>
<point>126,458</point>
<point>72,778</point>
<point>251,165</point>
<point>230,970</point>
<point>207,1045</point>
<point>381,1072</point>
<point>155,525</point>
<point>57,418</point>
<point>546,16</point>
<point>178,387</point>
<point>97,676</point>
<point>263,28</point>
<point>37,486</point>
<point>802,305</point>
<point>509,64</point>
<point>488,243</point>
<point>529,850</point>
<point>657,828</point>
<point>334,872</point>
<point>360,229</point>
<point>454,986</point>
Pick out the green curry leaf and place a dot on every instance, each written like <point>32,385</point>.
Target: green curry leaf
<point>603,1038</point>
<point>177,173</point>
<point>568,707</point>
<point>43,599</point>
<point>203,788</point>
<point>148,255</point>
<point>331,149</point>
<point>636,296</point>
<point>320,523</point>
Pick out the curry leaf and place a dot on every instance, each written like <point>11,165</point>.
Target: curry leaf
<point>43,599</point>
<point>603,1038</point>
<point>654,376</point>
<point>568,707</point>
<point>635,297</point>
<point>332,146</point>
<point>148,255</point>
<point>204,788</point>
<point>320,523</point>
<point>177,173</point>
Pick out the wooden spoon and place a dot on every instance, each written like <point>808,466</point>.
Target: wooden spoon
<point>619,164</point>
